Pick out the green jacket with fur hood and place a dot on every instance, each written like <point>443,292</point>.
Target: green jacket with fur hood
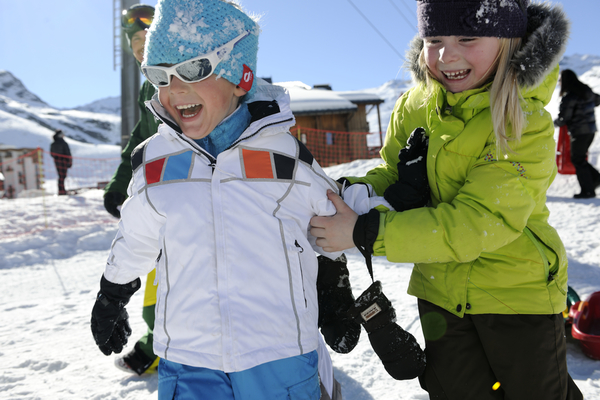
<point>484,245</point>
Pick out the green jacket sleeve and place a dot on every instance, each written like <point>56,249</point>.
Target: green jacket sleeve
<point>146,127</point>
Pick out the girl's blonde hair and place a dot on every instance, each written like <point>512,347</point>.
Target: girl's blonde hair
<point>508,119</point>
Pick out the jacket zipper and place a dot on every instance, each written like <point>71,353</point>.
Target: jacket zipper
<point>538,246</point>
<point>301,272</point>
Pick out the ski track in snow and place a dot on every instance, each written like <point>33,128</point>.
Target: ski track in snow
<point>52,255</point>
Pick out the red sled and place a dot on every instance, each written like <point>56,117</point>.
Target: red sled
<point>586,325</point>
<point>563,152</point>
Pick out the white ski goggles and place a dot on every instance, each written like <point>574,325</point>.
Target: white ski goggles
<point>192,70</point>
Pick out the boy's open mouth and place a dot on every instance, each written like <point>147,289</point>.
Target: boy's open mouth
<point>455,75</point>
<point>189,110</point>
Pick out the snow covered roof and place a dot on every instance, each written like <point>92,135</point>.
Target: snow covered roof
<point>358,97</point>
<point>305,100</point>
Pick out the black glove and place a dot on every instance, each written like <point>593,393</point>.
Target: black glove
<point>398,350</point>
<point>334,292</point>
<point>111,201</point>
<point>110,327</point>
<point>412,188</point>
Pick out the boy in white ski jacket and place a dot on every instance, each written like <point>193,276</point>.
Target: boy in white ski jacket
<point>220,203</point>
<point>228,235</point>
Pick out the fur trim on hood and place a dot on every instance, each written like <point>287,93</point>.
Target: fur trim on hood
<point>542,49</point>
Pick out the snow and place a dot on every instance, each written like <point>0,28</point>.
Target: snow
<point>23,113</point>
<point>53,250</point>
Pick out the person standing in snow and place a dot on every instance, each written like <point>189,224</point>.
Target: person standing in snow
<point>577,113</point>
<point>61,153</point>
<point>490,272</point>
<point>219,203</point>
<point>135,23</point>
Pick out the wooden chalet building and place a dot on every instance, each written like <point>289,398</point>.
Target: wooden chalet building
<point>333,125</point>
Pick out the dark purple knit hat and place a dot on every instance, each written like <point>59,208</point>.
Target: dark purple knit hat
<point>492,18</point>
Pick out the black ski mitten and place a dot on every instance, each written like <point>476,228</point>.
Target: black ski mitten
<point>111,201</point>
<point>412,188</point>
<point>334,293</point>
<point>110,326</point>
<point>398,350</point>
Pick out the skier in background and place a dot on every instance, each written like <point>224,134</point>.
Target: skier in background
<point>577,112</point>
<point>135,22</point>
<point>60,151</point>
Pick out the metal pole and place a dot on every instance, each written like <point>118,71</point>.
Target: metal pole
<point>130,84</point>
<point>380,131</point>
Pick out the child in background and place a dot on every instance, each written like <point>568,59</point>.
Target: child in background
<point>490,273</point>
<point>135,23</point>
<point>220,202</point>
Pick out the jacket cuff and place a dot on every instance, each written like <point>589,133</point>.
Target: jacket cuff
<point>366,231</point>
<point>117,292</point>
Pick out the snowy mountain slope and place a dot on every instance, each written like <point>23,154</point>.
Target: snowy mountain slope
<point>84,124</point>
<point>580,64</point>
<point>108,105</point>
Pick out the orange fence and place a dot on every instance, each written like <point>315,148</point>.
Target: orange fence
<point>334,147</point>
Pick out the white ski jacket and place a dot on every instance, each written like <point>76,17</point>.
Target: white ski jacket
<point>228,236</point>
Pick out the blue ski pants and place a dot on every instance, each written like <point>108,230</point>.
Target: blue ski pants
<point>294,378</point>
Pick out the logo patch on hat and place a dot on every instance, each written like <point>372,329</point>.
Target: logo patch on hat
<point>247,79</point>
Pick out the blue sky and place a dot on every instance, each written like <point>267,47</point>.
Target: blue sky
<point>62,50</point>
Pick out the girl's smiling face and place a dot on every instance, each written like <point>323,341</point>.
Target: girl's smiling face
<point>461,63</point>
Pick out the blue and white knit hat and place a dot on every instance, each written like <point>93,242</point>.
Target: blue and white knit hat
<point>184,29</point>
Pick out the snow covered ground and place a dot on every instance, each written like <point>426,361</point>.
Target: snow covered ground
<point>52,254</point>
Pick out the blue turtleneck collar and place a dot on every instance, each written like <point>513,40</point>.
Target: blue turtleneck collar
<point>227,131</point>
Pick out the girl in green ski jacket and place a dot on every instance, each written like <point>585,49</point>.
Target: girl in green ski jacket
<point>490,272</point>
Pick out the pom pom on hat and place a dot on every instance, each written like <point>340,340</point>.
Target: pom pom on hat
<point>490,18</point>
<point>184,29</point>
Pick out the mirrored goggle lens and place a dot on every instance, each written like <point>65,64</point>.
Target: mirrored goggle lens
<point>156,76</point>
<point>194,70</point>
<point>143,14</point>
<point>189,71</point>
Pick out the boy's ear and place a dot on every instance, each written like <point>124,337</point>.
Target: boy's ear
<point>239,92</point>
